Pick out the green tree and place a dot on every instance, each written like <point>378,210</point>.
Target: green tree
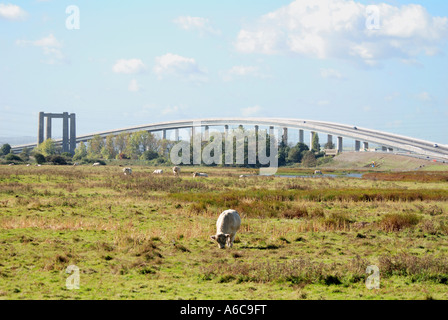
<point>94,147</point>
<point>121,142</point>
<point>39,157</point>
<point>309,159</point>
<point>329,145</point>
<point>13,157</point>
<point>25,154</point>
<point>80,151</point>
<point>315,143</point>
<point>108,151</point>
<point>47,148</point>
<point>6,149</point>
<point>283,153</point>
<point>133,148</point>
<point>295,153</point>
<point>149,155</point>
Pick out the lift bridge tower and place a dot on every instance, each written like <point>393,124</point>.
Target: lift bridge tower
<point>68,141</point>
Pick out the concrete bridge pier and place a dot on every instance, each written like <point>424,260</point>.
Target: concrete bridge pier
<point>65,118</point>
<point>301,136</point>
<point>366,145</point>
<point>329,140</point>
<point>68,134</point>
<point>285,136</point>
<point>40,131</point>
<point>48,133</point>
<point>312,133</point>
<point>176,134</point>
<point>72,133</point>
<point>357,145</point>
<point>339,144</point>
<point>206,133</point>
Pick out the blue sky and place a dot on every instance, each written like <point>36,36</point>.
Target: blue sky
<point>139,62</point>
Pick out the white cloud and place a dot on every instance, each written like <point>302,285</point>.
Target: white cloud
<point>202,25</point>
<point>392,96</point>
<point>134,86</point>
<point>47,42</point>
<point>337,29</point>
<point>250,111</point>
<point>331,74</point>
<point>51,48</point>
<point>242,71</point>
<point>323,102</point>
<point>12,12</point>
<point>424,96</point>
<point>130,66</point>
<point>178,66</point>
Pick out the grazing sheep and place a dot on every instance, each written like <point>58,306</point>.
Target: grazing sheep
<point>199,174</point>
<point>176,170</point>
<point>227,225</point>
<point>96,164</point>
<point>127,171</point>
<point>317,172</point>
<point>158,171</point>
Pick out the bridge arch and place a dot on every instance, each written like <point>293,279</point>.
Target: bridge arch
<point>340,131</point>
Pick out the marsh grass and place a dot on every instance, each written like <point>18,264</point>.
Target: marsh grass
<point>143,236</point>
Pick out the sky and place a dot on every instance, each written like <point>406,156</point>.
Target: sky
<point>375,64</point>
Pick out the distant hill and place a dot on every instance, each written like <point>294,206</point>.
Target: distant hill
<point>383,162</point>
<point>17,140</point>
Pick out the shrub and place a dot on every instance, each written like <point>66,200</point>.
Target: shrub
<point>39,157</point>
<point>56,159</point>
<point>13,157</point>
<point>398,221</point>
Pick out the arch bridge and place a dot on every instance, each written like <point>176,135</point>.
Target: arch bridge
<point>362,136</point>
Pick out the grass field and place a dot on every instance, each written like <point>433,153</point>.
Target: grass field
<point>148,237</point>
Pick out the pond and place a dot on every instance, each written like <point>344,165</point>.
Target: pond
<point>324,175</point>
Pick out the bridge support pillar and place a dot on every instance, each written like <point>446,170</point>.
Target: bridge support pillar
<point>176,134</point>
<point>72,133</point>
<point>285,136</point>
<point>206,133</point>
<point>312,133</point>
<point>40,132</point>
<point>329,141</point>
<point>301,136</point>
<point>226,130</point>
<point>339,144</point>
<point>271,132</point>
<point>384,149</point>
<point>48,133</point>
<point>357,145</point>
<point>365,146</point>
<point>65,118</point>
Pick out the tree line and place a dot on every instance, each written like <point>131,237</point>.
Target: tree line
<point>144,145</point>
